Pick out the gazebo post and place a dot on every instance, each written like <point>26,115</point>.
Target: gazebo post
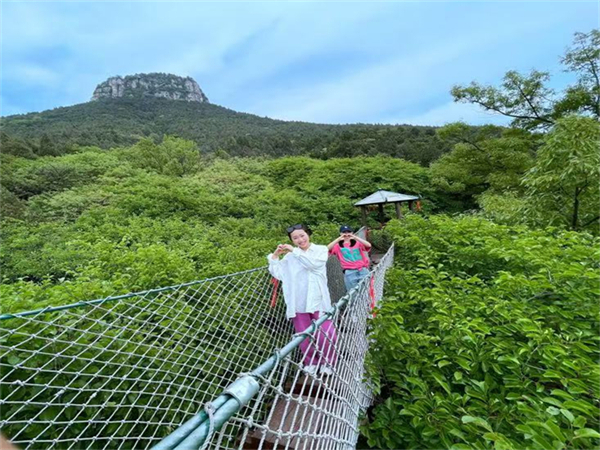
<point>410,204</point>
<point>381,213</point>
<point>363,214</point>
<point>398,206</point>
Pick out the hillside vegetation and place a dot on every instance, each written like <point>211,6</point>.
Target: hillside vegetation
<point>101,222</point>
<point>108,123</point>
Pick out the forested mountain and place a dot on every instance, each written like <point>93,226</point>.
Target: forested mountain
<point>112,122</point>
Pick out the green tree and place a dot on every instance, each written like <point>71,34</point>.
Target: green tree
<point>482,159</point>
<point>584,59</point>
<point>173,156</point>
<point>563,188</point>
<point>530,102</point>
<point>524,98</point>
<point>14,146</point>
<point>47,147</point>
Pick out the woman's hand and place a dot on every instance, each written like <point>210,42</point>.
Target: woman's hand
<point>286,248</point>
<point>364,242</point>
<point>282,249</point>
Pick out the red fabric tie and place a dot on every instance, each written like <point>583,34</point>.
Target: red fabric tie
<point>275,283</point>
<point>372,294</point>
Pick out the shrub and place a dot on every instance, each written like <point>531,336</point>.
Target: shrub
<point>487,338</point>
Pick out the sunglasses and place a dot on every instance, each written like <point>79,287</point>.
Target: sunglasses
<point>294,227</point>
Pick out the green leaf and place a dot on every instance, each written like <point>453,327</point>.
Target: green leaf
<point>586,433</point>
<point>552,401</point>
<point>579,422</point>
<point>477,421</point>
<point>14,360</point>
<point>568,414</point>
<point>555,430</point>
<point>457,433</point>
<point>464,363</point>
<point>561,393</point>
<point>441,381</point>
<point>541,441</point>
<point>552,374</point>
<point>579,405</point>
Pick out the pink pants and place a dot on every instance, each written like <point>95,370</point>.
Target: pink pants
<point>325,337</point>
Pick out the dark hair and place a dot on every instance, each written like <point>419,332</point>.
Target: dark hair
<point>296,227</point>
<point>352,243</point>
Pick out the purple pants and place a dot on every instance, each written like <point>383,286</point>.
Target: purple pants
<point>326,339</point>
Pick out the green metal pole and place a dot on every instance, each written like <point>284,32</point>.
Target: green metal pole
<point>172,440</point>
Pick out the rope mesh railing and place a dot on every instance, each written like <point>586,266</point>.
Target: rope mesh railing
<point>280,405</point>
<point>126,372</point>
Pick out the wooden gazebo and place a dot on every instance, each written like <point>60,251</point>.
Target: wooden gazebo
<point>382,197</point>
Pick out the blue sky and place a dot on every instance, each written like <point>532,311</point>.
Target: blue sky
<point>327,62</point>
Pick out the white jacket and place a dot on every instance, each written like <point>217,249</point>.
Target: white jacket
<point>304,279</point>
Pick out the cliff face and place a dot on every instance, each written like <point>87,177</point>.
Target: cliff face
<point>143,85</point>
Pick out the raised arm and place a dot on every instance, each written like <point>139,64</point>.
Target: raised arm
<point>275,264</point>
<point>364,242</point>
<point>332,243</point>
<point>275,268</point>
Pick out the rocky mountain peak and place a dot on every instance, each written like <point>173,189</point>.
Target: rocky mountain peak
<point>144,85</point>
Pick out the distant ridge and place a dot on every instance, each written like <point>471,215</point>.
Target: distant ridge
<point>124,110</point>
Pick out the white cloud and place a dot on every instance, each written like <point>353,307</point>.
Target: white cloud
<point>415,75</point>
<point>33,75</point>
<point>401,81</point>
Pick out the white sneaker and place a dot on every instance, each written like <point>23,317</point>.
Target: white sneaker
<point>312,369</point>
<point>326,370</point>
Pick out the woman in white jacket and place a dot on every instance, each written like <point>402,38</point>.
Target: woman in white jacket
<point>303,274</point>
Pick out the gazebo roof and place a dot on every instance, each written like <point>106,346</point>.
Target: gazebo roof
<point>382,196</point>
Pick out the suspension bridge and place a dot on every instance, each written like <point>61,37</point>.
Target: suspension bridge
<point>208,364</point>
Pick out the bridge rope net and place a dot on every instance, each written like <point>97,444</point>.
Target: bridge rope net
<point>126,372</point>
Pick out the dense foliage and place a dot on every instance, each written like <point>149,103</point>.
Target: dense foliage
<point>120,122</point>
<point>488,338</point>
<point>563,187</point>
<point>518,178</point>
<point>100,222</point>
<point>487,159</point>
